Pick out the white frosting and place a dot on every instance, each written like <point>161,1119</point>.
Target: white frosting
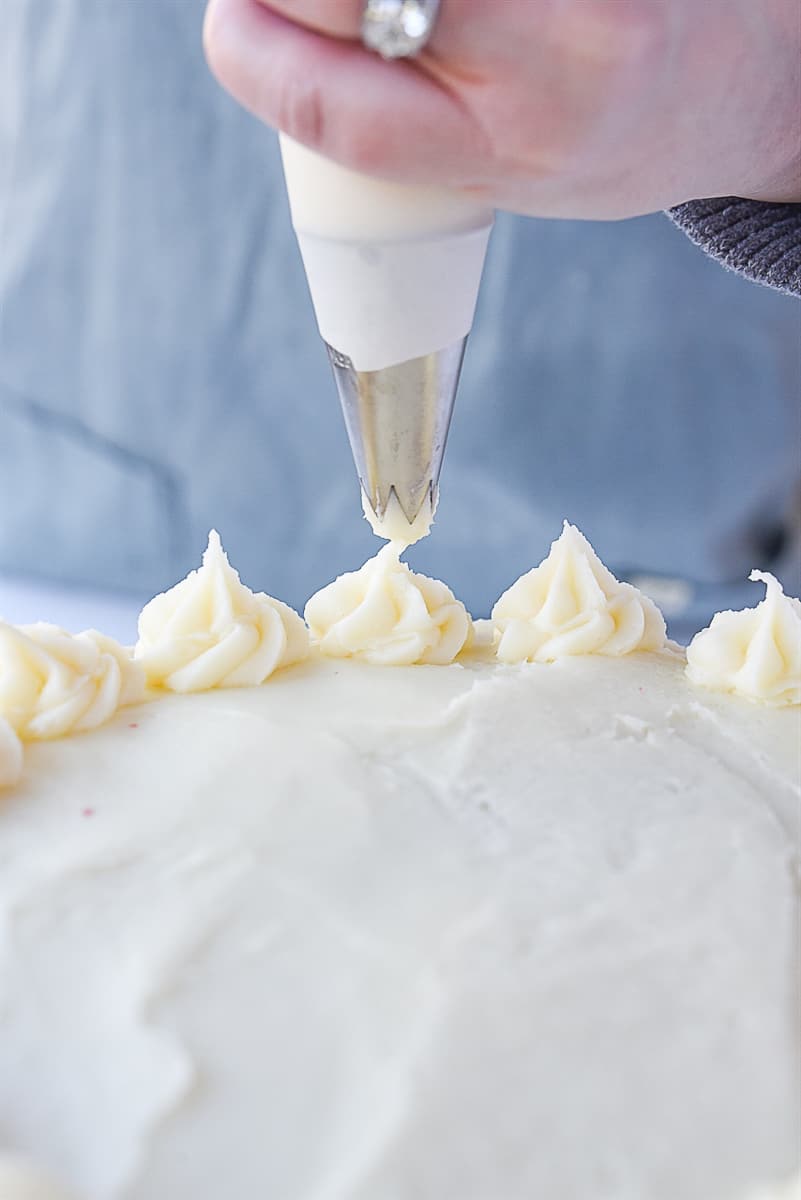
<point>571,604</point>
<point>212,631</point>
<point>10,754</point>
<point>360,908</point>
<point>387,615</point>
<point>394,525</point>
<point>53,682</point>
<point>393,269</point>
<point>756,652</point>
<point>448,850</point>
<point>332,201</point>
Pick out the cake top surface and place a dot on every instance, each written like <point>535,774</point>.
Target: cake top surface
<point>346,876</point>
<point>376,880</point>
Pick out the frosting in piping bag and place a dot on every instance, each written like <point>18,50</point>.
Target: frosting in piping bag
<point>387,615</point>
<point>212,631</point>
<point>571,604</point>
<point>394,526</point>
<point>756,652</point>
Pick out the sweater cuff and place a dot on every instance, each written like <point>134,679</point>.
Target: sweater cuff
<point>760,241</point>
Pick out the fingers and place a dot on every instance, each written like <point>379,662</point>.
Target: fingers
<point>337,18</point>
<point>386,119</point>
<point>454,33</point>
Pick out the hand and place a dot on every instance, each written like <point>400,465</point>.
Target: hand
<point>567,108</point>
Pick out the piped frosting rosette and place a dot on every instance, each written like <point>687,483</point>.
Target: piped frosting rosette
<point>387,615</point>
<point>571,604</point>
<point>211,631</point>
<point>754,653</point>
<point>53,682</point>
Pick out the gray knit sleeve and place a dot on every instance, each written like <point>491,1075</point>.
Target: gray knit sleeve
<point>760,241</point>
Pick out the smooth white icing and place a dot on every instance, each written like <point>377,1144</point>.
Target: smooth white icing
<point>10,754</point>
<point>571,604</point>
<point>387,615</point>
<point>756,652</point>
<point>362,907</point>
<point>53,682</point>
<point>211,631</point>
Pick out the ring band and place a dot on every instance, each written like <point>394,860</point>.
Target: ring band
<point>398,28</point>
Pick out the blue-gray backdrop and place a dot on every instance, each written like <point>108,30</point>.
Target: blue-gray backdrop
<point>160,370</point>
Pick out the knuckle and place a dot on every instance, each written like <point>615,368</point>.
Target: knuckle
<point>301,110</point>
<point>315,117</point>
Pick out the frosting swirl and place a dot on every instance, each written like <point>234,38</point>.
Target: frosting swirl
<point>10,754</point>
<point>53,682</point>
<point>211,631</point>
<point>571,604</point>
<point>754,653</point>
<point>386,615</point>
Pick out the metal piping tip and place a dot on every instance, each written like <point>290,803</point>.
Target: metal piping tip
<point>397,421</point>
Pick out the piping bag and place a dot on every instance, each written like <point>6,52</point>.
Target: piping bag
<point>394,272</point>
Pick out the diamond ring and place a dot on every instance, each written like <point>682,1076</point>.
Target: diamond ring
<point>398,28</point>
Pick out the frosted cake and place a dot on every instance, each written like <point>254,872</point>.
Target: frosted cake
<point>391,904</point>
